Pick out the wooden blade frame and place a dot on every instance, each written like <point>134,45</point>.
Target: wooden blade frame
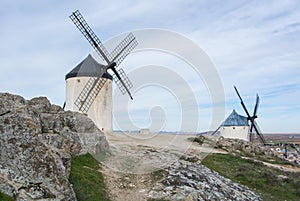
<point>122,81</point>
<point>89,93</point>
<point>88,33</point>
<point>123,49</point>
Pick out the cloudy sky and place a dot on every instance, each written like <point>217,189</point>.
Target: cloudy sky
<point>253,44</point>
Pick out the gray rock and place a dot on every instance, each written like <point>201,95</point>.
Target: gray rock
<point>37,140</point>
<point>191,181</point>
<point>243,147</point>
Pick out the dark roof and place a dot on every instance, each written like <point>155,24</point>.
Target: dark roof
<point>89,67</point>
<point>234,119</point>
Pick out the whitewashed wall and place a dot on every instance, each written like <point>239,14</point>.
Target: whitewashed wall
<point>101,109</point>
<point>235,132</point>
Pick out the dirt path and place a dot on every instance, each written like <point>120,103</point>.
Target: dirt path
<point>286,168</point>
<point>124,186</point>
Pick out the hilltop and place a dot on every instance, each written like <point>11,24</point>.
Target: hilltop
<point>51,154</point>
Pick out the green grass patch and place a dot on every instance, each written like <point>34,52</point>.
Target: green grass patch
<point>88,182</point>
<point>4,197</point>
<point>263,180</point>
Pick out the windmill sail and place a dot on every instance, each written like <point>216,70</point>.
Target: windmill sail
<point>123,49</point>
<point>122,81</point>
<point>256,106</point>
<point>88,33</point>
<point>242,103</point>
<point>89,93</point>
<point>259,133</point>
<point>94,84</point>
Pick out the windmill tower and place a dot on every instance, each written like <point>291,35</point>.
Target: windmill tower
<point>89,85</point>
<point>100,110</point>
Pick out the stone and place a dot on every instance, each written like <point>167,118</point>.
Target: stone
<point>243,147</point>
<point>37,141</point>
<point>190,181</point>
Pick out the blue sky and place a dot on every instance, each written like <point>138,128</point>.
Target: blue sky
<point>253,44</point>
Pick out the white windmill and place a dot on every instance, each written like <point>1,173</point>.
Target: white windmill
<point>89,85</point>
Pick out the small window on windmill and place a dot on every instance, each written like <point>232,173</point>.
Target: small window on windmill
<point>78,80</point>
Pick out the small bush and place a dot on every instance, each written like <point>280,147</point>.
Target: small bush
<point>200,140</point>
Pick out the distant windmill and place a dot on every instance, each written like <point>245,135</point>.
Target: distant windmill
<point>253,124</point>
<point>113,59</point>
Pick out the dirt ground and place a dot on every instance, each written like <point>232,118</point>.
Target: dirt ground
<point>135,162</point>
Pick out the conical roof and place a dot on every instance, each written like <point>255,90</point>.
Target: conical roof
<point>89,67</point>
<point>234,119</point>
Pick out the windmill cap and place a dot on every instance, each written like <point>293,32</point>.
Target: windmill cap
<point>234,119</point>
<point>89,67</point>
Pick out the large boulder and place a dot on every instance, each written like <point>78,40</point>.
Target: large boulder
<point>37,141</point>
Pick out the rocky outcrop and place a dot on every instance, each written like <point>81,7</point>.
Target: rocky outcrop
<point>191,181</point>
<point>37,141</point>
<point>243,147</point>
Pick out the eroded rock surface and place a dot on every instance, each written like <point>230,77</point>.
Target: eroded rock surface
<point>37,140</point>
<point>191,181</point>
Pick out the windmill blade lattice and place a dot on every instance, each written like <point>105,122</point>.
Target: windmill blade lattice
<point>88,33</point>
<point>89,93</point>
<point>125,79</point>
<point>123,49</point>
